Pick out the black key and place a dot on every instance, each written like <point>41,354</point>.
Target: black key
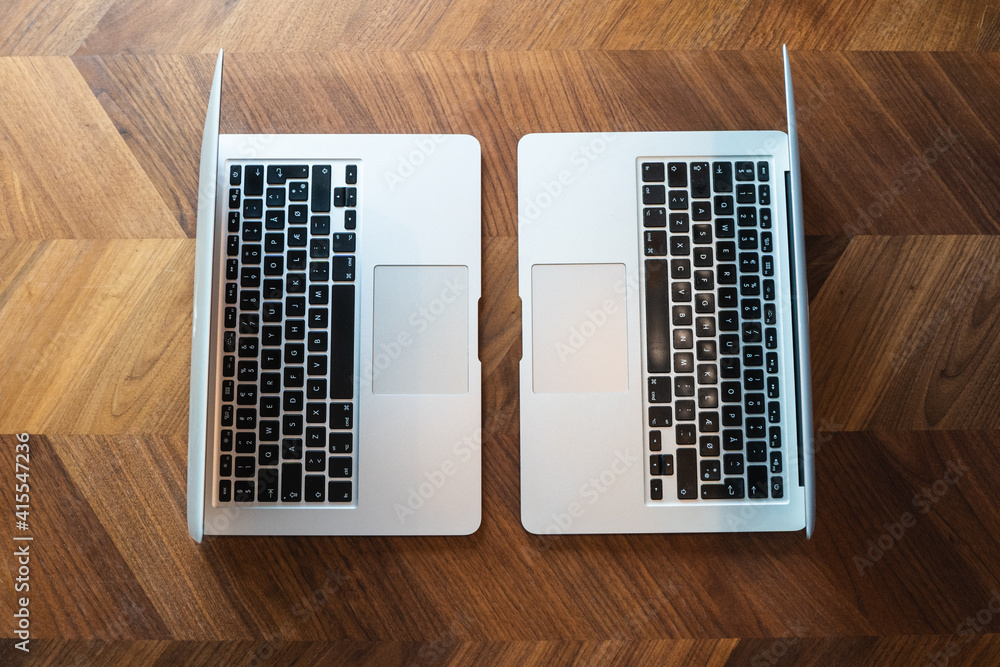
<point>702,234</point>
<point>677,175</point>
<point>343,267</point>
<point>316,364</point>
<point>687,473</point>
<point>770,314</point>
<point>763,171</point>
<point>678,200</point>
<point>701,210</point>
<point>270,406</point>
<point>708,397</point>
<point>315,460</point>
<point>250,277</point>
<point>298,191</point>
<point>731,392</point>
<point>730,367</point>
<point>726,274</point>
<point>319,295</point>
<point>246,394</point>
<point>732,415</point>
<point>297,214</point>
<point>655,489</point>
<point>293,374</point>
<point>731,489</point>
<point>273,288</point>
<point>243,492</point>
<point>748,262</point>
<point>679,245</point>
<point>274,220</point>
<point>344,242</point>
<point>685,411</point>
<point>684,386</point>
<point>271,311</point>
<point>226,440</point>
<point>319,225</point>
<point>765,218</point>
<point>722,176</point>
<point>253,208</point>
<point>772,362</point>
<point>753,379</point>
<point>700,180</point>
<point>225,465</point>
<point>255,181</point>
<point>757,481</point>
<point>652,172</point>
<point>746,193</point>
<point>751,330</point>
<point>296,237</point>
<point>723,205</point>
<point>728,297</point>
<point>351,174</point>
<point>274,243</point>
<point>772,387</point>
<point>246,466</point>
<point>233,246</point>
<point>291,424</point>
<point>704,303</point>
<point>234,198</point>
<point>681,316</point>
<point>777,490</point>
<point>750,286</point>
<point>744,171</point>
<point>679,223</point>
<point>773,412</point>
<point>233,226</point>
<point>319,272</point>
<point>339,492</point>
<point>225,490</point>
<point>291,482</point>
<point>685,434</point>
<point>339,196</point>
<point>291,448</point>
<point>229,364</point>
<point>341,466</point>
<point>340,443</point>
<point>292,401</point>
<point>655,243</point>
<point>706,350</point>
<point>756,451</point>
<point>655,441</point>
<point>748,239</point>
<point>683,362</point>
<point>248,346</point>
<point>750,309</point>
<point>317,341</point>
<point>321,175</point>
<point>703,256</point>
<point>350,219</point>
<point>296,260</point>
<point>251,253</point>
<point>232,295</point>
<point>775,462</point>
<point>267,485</point>
<point>708,374</point>
<point>315,489</point>
<point>754,403</point>
<point>756,427</point>
<point>732,440</point>
<point>746,216</point>
<point>726,251</point>
<point>708,445</point>
<point>680,292</point>
<point>753,355</point>
<point>764,193</point>
<point>235,171</point>
<point>250,299</point>
<point>245,418</point>
<point>656,464</point>
<point>232,269</point>
<point>710,471</point>
<point>658,390</point>
<point>654,195</point>
<point>295,306</point>
<point>316,437</point>
<point>275,197</point>
<point>680,269</point>
<point>766,242</point>
<point>708,421</point>
<point>657,325</point>
<point>352,197</point>
<point>277,175</point>
<point>342,342</point>
<point>660,416</point>
<point>247,371</point>
<point>274,265</point>
<point>654,217</point>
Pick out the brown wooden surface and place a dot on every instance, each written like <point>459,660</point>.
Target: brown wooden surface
<point>101,110</point>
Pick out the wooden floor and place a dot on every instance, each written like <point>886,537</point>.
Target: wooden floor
<point>102,104</point>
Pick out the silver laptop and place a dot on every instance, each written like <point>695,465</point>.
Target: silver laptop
<point>665,367</point>
<point>335,380</point>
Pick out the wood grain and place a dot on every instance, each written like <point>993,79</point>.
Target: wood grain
<point>180,26</point>
<point>900,156</point>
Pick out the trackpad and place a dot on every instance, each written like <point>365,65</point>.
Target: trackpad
<point>421,330</point>
<point>579,341</point>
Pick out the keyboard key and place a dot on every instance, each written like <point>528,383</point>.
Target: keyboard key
<point>655,243</point>
<point>708,445</point>
<point>267,485</point>
<point>660,416</point>
<point>723,205</point>
<point>746,193</point>
<point>757,481</point>
<point>243,491</point>
<point>298,191</point>
<point>291,448</point>
<point>687,473</point>
<point>658,390</point>
<point>253,208</point>
<point>341,466</point>
<point>711,471</point>
<point>777,488</point>
<point>654,195</point>
<point>340,492</point>
<point>680,269</point>
<point>341,443</point>
<point>685,434</point>
<point>744,171</point>
<point>225,490</point>
<point>321,178</point>
<point>655,489</point>
<point>700,180</point>
<point>291,482</point>
<point>756,451</point>
<point>350,219</point>
<point>652,172</point>
<point>775,462</point>
<point>315,489</point>
<point>655,441</point>
<point>342,342</point>
<point>763,171</point>
<point>722,176</point>
<point>277,174</point>
<point>351,174</point>
<point>677,175</point>
<point>315,461</point>
<point>657,325</point>
<point>678,200</point>
<point>654,217</point>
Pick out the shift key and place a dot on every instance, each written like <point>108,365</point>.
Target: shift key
<point>321,188</point>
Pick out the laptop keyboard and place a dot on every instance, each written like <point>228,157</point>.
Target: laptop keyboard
<point>288,345</point>
<point>712,348</point>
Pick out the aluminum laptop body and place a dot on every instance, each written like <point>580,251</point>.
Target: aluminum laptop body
<point>402,441</point>
<point>601,448</point>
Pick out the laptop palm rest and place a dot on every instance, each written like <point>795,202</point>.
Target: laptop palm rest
<point>421,330</point>
<point>578,323</point>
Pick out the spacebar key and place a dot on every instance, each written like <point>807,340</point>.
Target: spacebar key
<point>342,341</point>
<point>657,318</point>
